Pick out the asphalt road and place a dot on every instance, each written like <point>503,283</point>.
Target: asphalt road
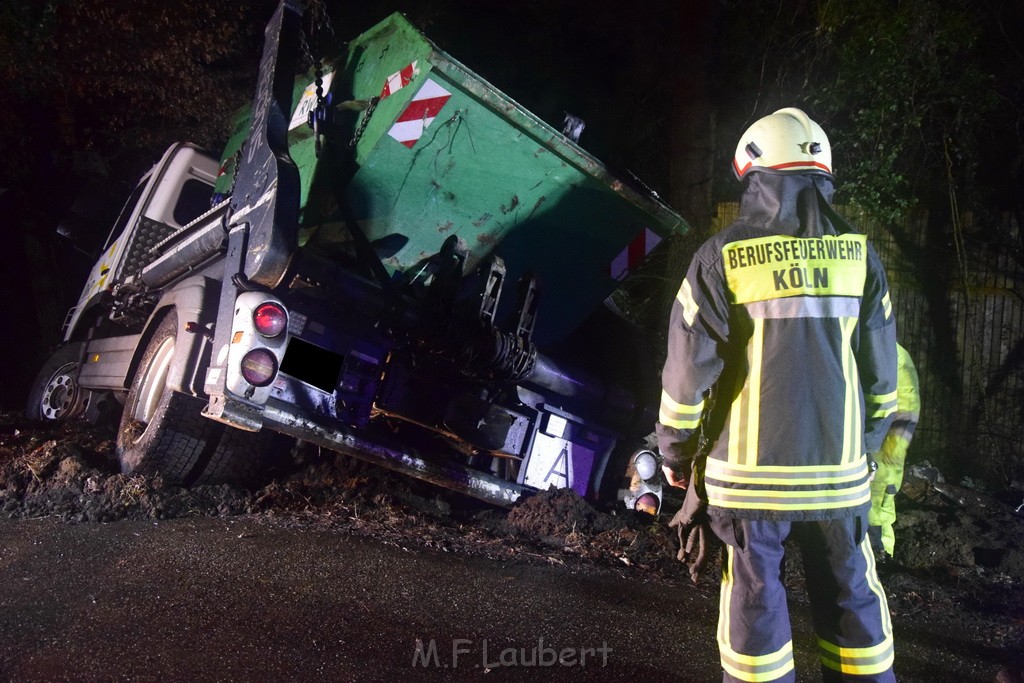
<point>248,599</point>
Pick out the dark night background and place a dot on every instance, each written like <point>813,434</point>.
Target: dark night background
<point>922,100</point>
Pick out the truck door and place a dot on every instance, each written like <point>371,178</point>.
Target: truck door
<point>177,193</point>
<point>173,193</point>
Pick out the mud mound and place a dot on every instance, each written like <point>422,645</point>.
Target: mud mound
<point>557,513</point>
<point>323,482</point>
<point>69,470</point>
<point>563,520</point>
<point>57,478</point>
<point>940,525</point>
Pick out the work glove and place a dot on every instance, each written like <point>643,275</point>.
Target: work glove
<point>693,529</point>
<point>677,480</point>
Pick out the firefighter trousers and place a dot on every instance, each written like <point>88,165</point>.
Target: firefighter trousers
<point>849,611</point>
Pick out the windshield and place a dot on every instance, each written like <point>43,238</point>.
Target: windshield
<point>126,212</point>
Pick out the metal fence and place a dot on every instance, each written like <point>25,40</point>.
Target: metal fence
<point>972,419</point>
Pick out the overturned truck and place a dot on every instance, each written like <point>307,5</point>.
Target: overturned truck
<point>392,260</point>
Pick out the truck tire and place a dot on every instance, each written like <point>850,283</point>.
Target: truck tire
<point>55,394</point>
<point>245,458</point>
<point>163,431</point>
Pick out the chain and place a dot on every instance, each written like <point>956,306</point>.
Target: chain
<point>319,112</point>
<point>319,21</point>
<point>372,104</point>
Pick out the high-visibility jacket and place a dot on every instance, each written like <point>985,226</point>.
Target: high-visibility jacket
<point>893,454</point>
<point>781,353</point>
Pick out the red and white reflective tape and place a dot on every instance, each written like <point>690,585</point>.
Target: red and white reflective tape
<point>633,255</point>
<point>419,114</point>
<point>399,80</point>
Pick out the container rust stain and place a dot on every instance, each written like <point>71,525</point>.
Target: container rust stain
<point>447,194</point>
<point>511,205</point>
<point>536,206</point>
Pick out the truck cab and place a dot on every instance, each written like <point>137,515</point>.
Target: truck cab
<point>172,194</point>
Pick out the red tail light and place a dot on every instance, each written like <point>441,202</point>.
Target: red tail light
<point>270,319</point>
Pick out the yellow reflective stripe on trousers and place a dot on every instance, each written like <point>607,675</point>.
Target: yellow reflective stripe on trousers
<point>725,599</point>
<point>857,661</point>
<point>679,415</point>
<point>871,575</point>
<point>864,661</point>
<point>781,664</point>
<point>753,668</point>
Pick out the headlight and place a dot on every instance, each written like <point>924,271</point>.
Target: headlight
<point>646,464</point>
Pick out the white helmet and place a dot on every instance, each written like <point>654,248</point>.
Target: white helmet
<point>787,141</point>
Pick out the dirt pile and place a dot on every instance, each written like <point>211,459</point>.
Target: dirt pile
<point>69,471</point>
<point>561,519</point>
<point>558,513</point>
<point>941,525</point>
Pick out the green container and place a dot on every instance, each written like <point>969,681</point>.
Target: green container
<point>442,152</point>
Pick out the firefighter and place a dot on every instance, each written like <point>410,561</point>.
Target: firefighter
<point>892,457</point>
<point>778,386</point>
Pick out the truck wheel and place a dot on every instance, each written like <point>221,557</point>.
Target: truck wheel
<point>245,458</point>
<point>55,394</point>
<point>163,431</point>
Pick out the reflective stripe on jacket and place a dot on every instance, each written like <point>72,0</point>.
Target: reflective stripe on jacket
<point>781,351</point>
